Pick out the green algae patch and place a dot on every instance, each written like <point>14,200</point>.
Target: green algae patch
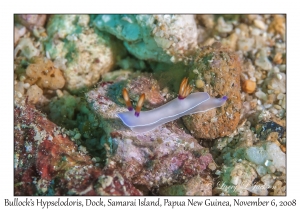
<point>74,114</point>
<point>173,190</point>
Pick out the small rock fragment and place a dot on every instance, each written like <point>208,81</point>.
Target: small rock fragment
<point>262,60</point>
<point>277,26</point>
<point>264,129</point>
<point>19,32</point>
<point>44,74</point>
<point>278,58</point>
<point>259,24</point>
<point>249,86</point>
<point>279,189</point>
<point>224,27</point>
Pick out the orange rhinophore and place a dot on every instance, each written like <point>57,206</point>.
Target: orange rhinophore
<point>127,99</point>
<point>139,105</point>
<point>182,86</point>
<point>184,89</point>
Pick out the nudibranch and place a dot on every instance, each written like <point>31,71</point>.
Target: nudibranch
<point>185,104</point>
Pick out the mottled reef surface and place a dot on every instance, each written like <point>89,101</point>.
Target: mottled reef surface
<point>69,76</point>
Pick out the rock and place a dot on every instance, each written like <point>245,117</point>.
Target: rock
<point>256,155</point>
<point>196,186</point>
<point>268,154</point>
<point>35,94</point>
<point>268,180</point>
<point>19,31</point>
<point>261,170</point>
<point>245,44</point>
<point>262,60</point>
<point>279,189</point>
<point>264,129</point>
<point>260,24</point>
<point>224,27</point>
<point>43,73</point>
<point>244,175</point>
<point>278,58</point>
<point>164,156</point>
<point>278,25</point>
<point>220,70</point>
<point>237,174</point>
<point>276,82</point>
<point>236,179</point>
<point>249,86</point>
<point>82,53</point>
<point>258,189</point>
<point>26,47</point>
<point>31,21</point>
<point>261,95</point>
<point>207,20</point>
<point>231,41</point>
<point>247,163</point>
<point>277,156</point>
<point>48,163</point>
<point>163,38</point>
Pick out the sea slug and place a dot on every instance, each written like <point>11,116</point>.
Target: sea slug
<point>185,104</point>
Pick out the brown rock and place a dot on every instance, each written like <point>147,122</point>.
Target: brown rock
<point>43,73</point>
<point>277,26</point>
<point>47,162</point>
<point>220,69</point>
